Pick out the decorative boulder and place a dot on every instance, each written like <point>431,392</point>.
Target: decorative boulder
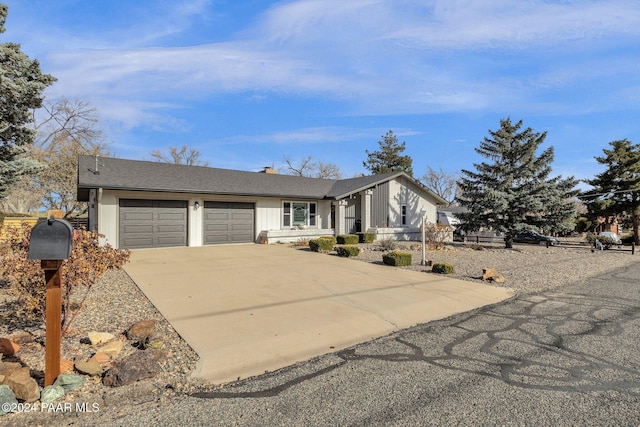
<point>24,387</point>
<point>492,275</point>
<point>6,397</point>
<point>141,331</point>
<point>51,393</point>
<point>7,347</point>
<point>98,338</point>
<point>137,366</point>
<point>69,382</point>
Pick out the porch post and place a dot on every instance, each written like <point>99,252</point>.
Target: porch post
<point>340,217</point>
<point>365,208</point>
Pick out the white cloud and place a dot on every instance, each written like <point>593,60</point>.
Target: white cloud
<point>382,57</point>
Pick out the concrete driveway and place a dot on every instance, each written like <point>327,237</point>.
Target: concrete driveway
<point>247,309</point>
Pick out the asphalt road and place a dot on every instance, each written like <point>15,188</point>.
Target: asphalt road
<point>568,357</point>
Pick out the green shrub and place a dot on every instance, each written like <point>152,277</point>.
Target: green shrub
<point>322,244</point>
<point>347,239</point>
<point>397,258</point>
<point>366,237</point>
<point>348,250</point>
<point>442,268</point>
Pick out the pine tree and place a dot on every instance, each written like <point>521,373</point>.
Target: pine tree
<point>513,192</point>
<point>617,189</point>
<point>389,158</point>
<point>21,87</point>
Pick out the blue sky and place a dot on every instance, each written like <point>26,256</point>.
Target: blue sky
<point>249,83</point>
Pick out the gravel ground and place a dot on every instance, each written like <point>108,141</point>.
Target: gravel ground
<point>115,303</point>
<point>526,268</point>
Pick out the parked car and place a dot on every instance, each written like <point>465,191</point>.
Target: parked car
<point>535,238</point>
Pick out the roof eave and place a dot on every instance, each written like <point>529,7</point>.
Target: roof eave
<point>201,192</point>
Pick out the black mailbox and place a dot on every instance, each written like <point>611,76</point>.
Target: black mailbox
<point>51,240</point>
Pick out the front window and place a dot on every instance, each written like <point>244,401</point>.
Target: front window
<point>296,214</point>
<point>404,214</point>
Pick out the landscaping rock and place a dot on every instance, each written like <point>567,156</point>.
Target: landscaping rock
<point>20,337</point>
<point>98,338</point>
<point>416,247</point>
<point>492,275</point>
<point>137,366</point>
<point>89,368</point>
<point>141,331</point>
<point>100,358</point>
<point>6,397</point>
<point>23,386</point>
<point>7,347</point>
<point>66,366</point>
<point>112,349</point>
<point>51,393</point>
<point>69,382</point>
<point>7,368</point>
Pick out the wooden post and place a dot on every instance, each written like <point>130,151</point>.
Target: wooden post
<point>633,248</point>
<point>53,320</point>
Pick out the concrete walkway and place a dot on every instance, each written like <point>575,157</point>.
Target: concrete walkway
<point>247,309</point>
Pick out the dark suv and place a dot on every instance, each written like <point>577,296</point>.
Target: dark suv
<point>535,238</point>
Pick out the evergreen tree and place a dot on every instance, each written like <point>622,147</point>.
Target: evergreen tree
<point>389,158</point>
<point>21,87</point>
<point>513,192</point>
<point>617,189</point>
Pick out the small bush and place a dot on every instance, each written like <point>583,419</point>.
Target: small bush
<point>88,261</point>
<point>348,250</point>
<point>437,235</point>
<point>397,258</point>
<point>476,247</point>
<point>301,242</point>
<point>388,243</point>
<point>442,268</point>
<point>322,244</point>
<point>366,237</point>
<point>347,239</point>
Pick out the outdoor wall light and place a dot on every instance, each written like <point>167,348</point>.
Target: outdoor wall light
<point>196,205</point>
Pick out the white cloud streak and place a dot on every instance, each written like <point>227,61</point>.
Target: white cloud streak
<point>382,57</point>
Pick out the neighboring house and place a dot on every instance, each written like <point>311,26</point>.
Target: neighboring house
<point>141,204</point>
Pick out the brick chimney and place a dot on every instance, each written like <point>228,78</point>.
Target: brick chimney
<point>269,170</point>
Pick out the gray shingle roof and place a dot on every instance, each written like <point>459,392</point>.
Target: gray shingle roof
<point>344,187</point>
<point>121,174</point>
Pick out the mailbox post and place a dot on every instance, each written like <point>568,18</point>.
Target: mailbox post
<point>50,242</point>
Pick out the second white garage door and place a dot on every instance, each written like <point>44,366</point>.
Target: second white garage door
<point>228,222</point>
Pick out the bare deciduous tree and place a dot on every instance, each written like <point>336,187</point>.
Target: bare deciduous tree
<point>442,183</point>
<point>68,129</point>
<point>179,156</point>
<point>307,167</point>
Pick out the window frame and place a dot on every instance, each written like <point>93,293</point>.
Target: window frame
<point>288,217</point>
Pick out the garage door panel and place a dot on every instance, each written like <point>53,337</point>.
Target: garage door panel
<point>140,229</point>
<point>169,228</point>
<point>152,223</point>
<point>228,222</point>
